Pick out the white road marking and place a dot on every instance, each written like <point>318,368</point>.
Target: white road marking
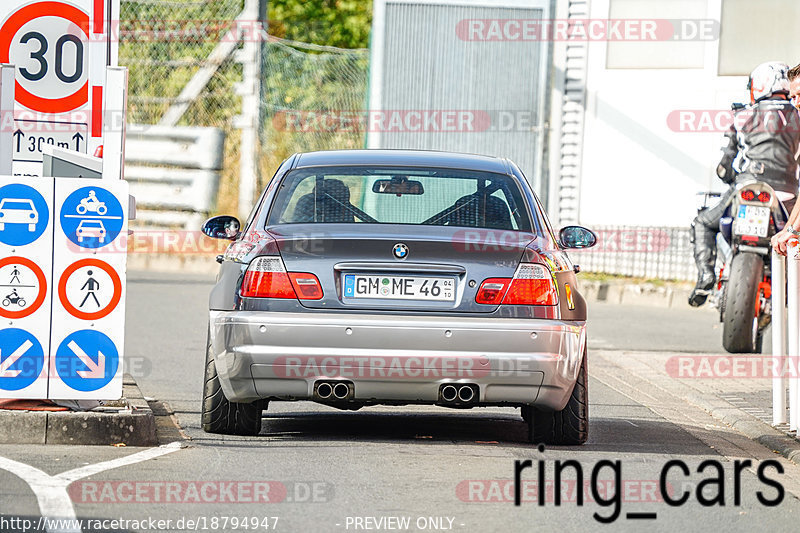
<point>51,491</point>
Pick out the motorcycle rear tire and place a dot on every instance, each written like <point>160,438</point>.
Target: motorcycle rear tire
<point>740,322</point>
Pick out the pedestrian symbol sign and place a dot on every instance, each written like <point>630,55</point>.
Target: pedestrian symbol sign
<point>87,360</point>
<point>90,289</point>
<point>23,214</point>
<point>91,217</point>
<point>23,287</point>
<point>21,359</point>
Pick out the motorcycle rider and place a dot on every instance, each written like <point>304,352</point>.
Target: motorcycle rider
<point>781,239</point>
<point>762,143</point>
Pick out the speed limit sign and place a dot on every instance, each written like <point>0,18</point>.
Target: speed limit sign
<point>60,50</point>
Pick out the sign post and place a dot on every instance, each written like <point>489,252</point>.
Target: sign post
<point>6,117</point>
<point>61,50</point>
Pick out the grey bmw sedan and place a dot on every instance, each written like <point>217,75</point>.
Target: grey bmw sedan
<point>366,277</point>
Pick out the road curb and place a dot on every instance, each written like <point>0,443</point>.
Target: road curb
<point>132,425</point>
<point>645,294</point>
<point>745,423</point>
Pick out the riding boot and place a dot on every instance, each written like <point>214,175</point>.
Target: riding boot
<point>705,255</point>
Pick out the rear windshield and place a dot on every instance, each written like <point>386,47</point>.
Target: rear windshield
<point>369,195</point>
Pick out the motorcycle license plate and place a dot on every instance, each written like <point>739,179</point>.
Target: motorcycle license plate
<point>752,220</point>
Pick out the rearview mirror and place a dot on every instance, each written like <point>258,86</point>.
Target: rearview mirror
<point>576,237</point>
<point>222,227</point>
<point>398,185</point>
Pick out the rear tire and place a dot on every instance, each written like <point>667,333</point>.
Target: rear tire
<point>218,415</point>
<point>740,323</point>
<point>570,426</point>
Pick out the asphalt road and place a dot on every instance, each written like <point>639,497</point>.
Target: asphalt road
<point>440,469</point>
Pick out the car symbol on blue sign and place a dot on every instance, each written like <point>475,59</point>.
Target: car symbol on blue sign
<point>21,359</point>
<point>23,214</point>
<point>87,360</point>
<point>91,217</point>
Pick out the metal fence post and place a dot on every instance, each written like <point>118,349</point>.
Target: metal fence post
<point>779,379</point>
<point>793,325</point>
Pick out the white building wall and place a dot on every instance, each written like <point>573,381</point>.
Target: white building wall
<point>637,171</point>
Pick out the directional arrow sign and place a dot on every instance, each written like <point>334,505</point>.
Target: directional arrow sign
<point>77,138</point>
<point>96,370</point>
<point>25,356</point>
<point>87,360</point>
<point>11,359</point>
<point>19,136</point>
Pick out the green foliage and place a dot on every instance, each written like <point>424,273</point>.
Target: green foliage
<point>340,23</point>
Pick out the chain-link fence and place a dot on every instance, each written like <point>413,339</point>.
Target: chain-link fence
<point>314,98</point>
<point>164,44</point>
<point>642,252</point>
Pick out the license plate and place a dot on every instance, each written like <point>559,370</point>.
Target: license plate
<point>399,287</point>
<point>752,220</point>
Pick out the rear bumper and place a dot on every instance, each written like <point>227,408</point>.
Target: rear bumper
<point>396,359</point>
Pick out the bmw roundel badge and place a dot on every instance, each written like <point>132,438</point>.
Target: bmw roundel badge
<point>400,250</point>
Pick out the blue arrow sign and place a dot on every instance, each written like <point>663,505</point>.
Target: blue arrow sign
<point>91,217</point>
<point>23,214</point>
<point>21,359</point>
<point>87,360</point>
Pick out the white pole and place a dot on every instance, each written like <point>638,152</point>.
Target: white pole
<point>247,121</point>
<point>6,119</point>
<point>779,379</point>
<point>115,123</point>
<point>793,297</point>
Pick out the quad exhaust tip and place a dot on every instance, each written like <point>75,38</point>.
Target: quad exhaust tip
<point>466,394</point>
<point>324,390</point>
<point>333,390</point>
<point>457,393</point>
<point>449,393</point>
<point>341,391</point>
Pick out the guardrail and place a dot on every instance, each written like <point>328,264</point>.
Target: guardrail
<point>174,173</point>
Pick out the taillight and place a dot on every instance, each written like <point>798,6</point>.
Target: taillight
<point>764,197</point>
<point>266,277</point>
<point>492,291</point>
<point>532,285</point>
<point>306,285</point>
<point>748,195</point>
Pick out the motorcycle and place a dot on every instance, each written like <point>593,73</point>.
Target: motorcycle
<point>13,299</point>
<point>743,290</point>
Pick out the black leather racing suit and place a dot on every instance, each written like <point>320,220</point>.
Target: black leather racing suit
<point>762,143</point>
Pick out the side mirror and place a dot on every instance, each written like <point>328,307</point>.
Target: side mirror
<point>576,237</point>
<point>222,227</point>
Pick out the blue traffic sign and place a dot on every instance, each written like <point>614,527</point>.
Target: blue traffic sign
<point>21,359</point>
<point>23,214</point>
<point>91,217</point>
<point>87,360</point>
